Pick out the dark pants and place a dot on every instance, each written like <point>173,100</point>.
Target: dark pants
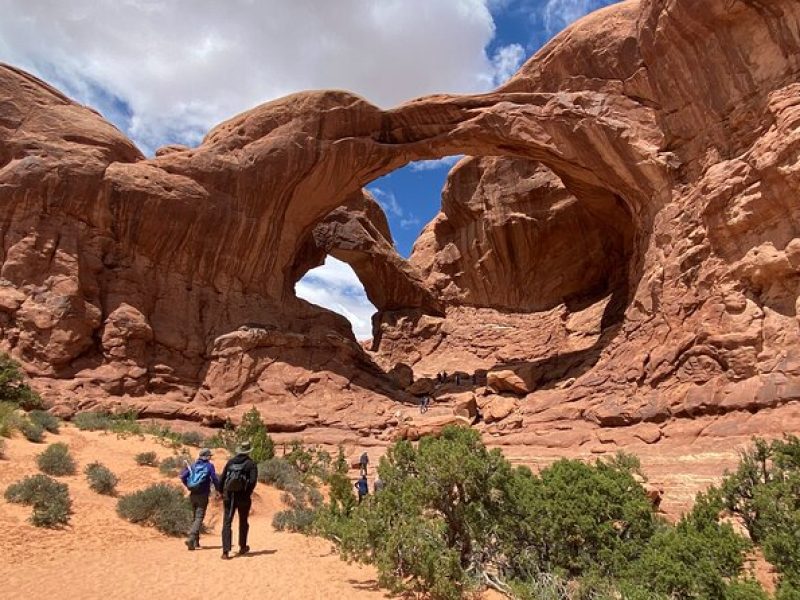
<point>199,506</point>
<point>235,503</point>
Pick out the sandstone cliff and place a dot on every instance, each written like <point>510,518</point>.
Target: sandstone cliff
<point>623,256</point>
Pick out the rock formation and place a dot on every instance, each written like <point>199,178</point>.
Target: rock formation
<point>621,260</point>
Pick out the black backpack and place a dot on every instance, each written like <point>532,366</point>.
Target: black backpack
<point>236,478</point>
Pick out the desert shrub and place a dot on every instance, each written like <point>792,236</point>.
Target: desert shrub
<point>92,421</point>
<point>56,460</point>
<point>10,419</point>
<point>278,473</point>
<point>33,432</point>
<point>192,438</point>
<point>765,492</point>
<point>160,505</point>
<point>13,387</point>
<point>125,424</point>
<point>454,516</point>
<point>48,497</point>
<point>695,559</point>
<point>101,479</point>
<point>45,420</point>
<point>303,501</point>
<point>2,448</point>
<point>146,459</point>
<point>172,465</point>
<point>251,429</point>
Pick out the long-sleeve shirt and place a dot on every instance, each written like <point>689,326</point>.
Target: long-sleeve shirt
<point>251,469</point>
<point>205,487</point>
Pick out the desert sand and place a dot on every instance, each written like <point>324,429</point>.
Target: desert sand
<point>100,555</point>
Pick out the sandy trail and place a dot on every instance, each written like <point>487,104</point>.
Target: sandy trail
<point>100,555</point>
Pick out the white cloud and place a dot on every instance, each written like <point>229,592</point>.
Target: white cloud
<point>167,70</point>
<point>335,286</point>
<point>439,163</point>
<point>560,13</point>
<point>506,61</point>
<point>390,205</point>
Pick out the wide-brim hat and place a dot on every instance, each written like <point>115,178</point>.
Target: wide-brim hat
<point>244,448</point>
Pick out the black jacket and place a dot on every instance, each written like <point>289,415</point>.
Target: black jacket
<point>251,469</point>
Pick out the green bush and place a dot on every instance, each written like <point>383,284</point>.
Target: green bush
<point>454,515</point>
<point>33,432</point>
<point>45,420</point>
<point>10,419</point>
<point>2,448</point>
<point>146,459</point>
<point>303,502</point>
<point>764,492</point>
<point>172,465</point>
<point>101,479</point>
<point>92,421</point>
<point>161,505</point>
<point>56,460</point>
<point>48,497</point>
<point>13,387</point>
<point>252,429</point>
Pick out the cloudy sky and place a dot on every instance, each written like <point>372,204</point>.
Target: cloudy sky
<point>165,71</point>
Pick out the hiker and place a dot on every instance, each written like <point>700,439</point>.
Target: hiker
<point>239,478</point>
<point>362,487</point>
<point>423,404</point>
<point>458,378</point>
<point>198,479</point>
<point>377,485</point>
<point>364,461</point>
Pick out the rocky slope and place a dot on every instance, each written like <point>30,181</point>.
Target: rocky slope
<point>623,259</point>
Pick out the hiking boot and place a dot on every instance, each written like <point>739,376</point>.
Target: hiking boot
<point>190,544</point>
<point>244,549</point>
<point>226,556</point>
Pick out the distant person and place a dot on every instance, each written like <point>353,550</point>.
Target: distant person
<point>424,403</point>
<point>458,379</point>
<point>364,463</point>
<point>377,485</point>
<point>239,478</point>
<point>198,479</point>
<point>362,487</point>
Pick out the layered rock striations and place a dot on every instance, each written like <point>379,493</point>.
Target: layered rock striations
<point>620,260</point>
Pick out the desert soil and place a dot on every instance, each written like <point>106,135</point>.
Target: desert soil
<point>100,555</point>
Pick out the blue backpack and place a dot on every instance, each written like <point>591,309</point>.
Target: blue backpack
<point>198,474</point>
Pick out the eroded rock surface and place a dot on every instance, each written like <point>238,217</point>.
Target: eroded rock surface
<point>619,265</point>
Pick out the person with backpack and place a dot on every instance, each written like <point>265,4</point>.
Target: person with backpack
<point>362,487</point>
<point>198,479</point>
<point>239,478</point>
<point>364,462</point>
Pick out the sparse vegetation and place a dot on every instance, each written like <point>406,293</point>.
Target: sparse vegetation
<point>278,473</point>
<point>192,438</point>
<point>45,420</point>
<point>161,505</point>
<point>10,419</point>
<point>101,479</point>
<point>33,432</point>
<point>172,465</point>
<point>92,421</point>
<point>56,460</point>
<point>146,459</point>
<point>2,449</point>
<point>49,498</point>
<point>13,388</point>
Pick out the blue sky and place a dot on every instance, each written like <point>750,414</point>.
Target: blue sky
<point>165,71</point>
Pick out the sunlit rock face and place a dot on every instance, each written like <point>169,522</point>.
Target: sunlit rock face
<point>619,252</point>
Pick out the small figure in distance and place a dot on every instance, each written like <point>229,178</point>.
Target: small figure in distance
<point>198,479</point>
<point>239,478</point>
<point>424,403</point>
<point>362,487</point>
<point>458,378</point>
<point>364,463</point>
